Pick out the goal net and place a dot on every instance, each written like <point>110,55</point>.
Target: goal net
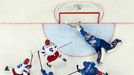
<point>72,13</point>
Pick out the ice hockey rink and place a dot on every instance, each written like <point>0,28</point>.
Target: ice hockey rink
<point>21,31</point>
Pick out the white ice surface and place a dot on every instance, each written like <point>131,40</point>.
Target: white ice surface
<point>17,40</point>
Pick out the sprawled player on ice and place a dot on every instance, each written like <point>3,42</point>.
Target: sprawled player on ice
<point>51,50</point>
<point>21,68</point>
<point>98,44</point>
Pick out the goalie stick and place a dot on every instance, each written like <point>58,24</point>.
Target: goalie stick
<point>40,60</point>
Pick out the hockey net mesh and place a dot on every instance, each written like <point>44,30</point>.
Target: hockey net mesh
<point>87,12</point>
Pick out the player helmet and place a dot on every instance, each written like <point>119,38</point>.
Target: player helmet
<point>47,42</point>
<point>26,61</point>
<point>50,73</point>
<point>85,63</point>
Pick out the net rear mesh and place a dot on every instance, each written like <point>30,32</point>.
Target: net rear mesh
<point>87,12</point>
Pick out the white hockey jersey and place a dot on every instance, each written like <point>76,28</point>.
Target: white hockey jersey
<point>22,68</point>
<point>49,50</point>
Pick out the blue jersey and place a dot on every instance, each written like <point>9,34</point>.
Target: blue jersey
<point>93,41</point>
<point>44,73</point>
<point>89,69</point>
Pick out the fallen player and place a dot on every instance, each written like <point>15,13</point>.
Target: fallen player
<point>98,44</point>
<point>21,68</point>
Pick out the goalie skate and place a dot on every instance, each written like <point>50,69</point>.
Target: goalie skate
<point>115,43</point>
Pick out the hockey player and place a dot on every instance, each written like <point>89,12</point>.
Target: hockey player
<point>90,69</point>
<point>50,49</point>
<point>22,67</point>
<point>98,44</point>
<point>44,72</point>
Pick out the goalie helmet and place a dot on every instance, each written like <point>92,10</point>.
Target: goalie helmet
<point>47,42</point>
<point>26,61</point>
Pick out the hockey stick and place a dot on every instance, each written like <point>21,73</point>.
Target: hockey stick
<point>64,45</point>
<point>72,72</point>
<point>31,61</point>
<point>31,58</point>
<point>40,60</point>
<point>77,66</point>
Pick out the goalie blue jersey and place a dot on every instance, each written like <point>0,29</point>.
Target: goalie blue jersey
<point>93,41</point>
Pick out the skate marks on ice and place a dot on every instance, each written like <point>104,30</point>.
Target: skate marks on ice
<point>62,33</point>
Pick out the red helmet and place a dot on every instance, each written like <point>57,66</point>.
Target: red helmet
<point>47,42</point>
<point>26,61</point>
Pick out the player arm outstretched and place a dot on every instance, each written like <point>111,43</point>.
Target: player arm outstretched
<point>83,32</point>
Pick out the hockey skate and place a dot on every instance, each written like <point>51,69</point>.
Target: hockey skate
<point>49,65</point>
<point>114,44</point>
<point>64,59</point>
<point>106,73</point>
<point>6,68</point>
